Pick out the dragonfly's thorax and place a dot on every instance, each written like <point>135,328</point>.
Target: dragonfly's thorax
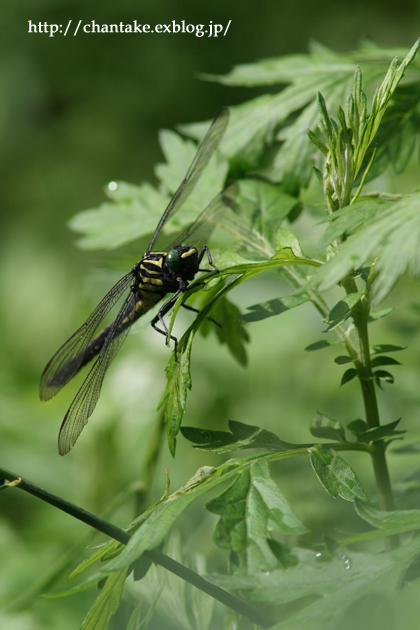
<point>159,273</point>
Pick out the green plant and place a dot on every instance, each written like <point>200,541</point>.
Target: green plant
<point>370,240</point>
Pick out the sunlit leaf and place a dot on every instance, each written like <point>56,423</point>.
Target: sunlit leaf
<point>335,475</point>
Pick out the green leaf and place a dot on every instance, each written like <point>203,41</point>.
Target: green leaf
<point>383,360</point>
<point>394,234</point>
<point>324,427</point>
<point>343,309</point>
<point>343,359</point>
<point>357,427</point>
<point>345,590</point>
<point>242,436</point>
<point>288,239</point>
<point>386,348</point>
<point>384,376</point>
<point>107,602</point>
<point>135,212</point>
<point>379,313</point>
<point>349,375</point>
<point>386,523</point>
<point>324,343</point>
<point>230,330</point>
<point>265,205</point>
<point>335,475</point>
<point>251,509</point>
<point>165,513</point>
<point>380,433</point>
<point>177,385</point>
<point>263,310</point>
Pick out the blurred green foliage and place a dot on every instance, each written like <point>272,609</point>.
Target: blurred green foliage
<point>76,113</point>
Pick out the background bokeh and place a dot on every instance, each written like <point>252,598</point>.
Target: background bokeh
<point>75,113</point>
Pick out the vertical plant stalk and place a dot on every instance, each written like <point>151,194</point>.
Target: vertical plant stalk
<point>367,383</point>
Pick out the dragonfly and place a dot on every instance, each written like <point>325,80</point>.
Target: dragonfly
<point>156,275</point>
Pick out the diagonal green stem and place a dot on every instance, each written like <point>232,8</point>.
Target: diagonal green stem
<point>122,536</point>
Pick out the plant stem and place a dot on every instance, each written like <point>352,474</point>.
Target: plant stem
<point>383,483</point>
<point>122,536</point>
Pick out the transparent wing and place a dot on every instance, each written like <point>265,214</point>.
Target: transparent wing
<point>199,232</point>
<point>203,155</point>
<point>86,398</point>
<point>67,360</point>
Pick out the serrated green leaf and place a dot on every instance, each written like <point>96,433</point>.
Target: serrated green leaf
<point>272,308</point>
<point>323,427</point>
<point>324,343</point>
<point>335,475</point>
<point>242,436</point>
<point>106,603</point>
<point>164,514</point>
<point>251,509</point>
<point>265,205</point>
<point>380,433</point>
<point>175,395</point>
<point>394,234</point>
<point>349,375</point>
<point>230,330</point>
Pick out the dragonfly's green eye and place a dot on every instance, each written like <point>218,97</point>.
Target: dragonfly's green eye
<point>173,260</point>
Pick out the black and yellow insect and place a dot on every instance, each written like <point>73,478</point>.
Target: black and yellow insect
<point>149,281</point>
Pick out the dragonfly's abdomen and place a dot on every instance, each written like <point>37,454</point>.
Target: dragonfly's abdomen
<point>150,285</point>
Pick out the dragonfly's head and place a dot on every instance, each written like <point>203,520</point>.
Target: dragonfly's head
<point>183,260</point>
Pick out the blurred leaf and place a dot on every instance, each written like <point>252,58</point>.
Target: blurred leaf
<point>383,360</point>
<point>242,436</point>
<point>357,427</point>
<point>251,509</point>
<point>341,311</point>
<point>386,348</point>
<point>135,212</point>
<point>107,603</point>
<point>384,376</point>
<point>324,343</point>
<point>380,433</point>
<point>349,375</point>
<point>376,314</point>
<point>335,475</point>
<point>349,590</point>
<point>343,359</point>
<point>272,307</point>
<point>386,523</point>
<point>324,427</point>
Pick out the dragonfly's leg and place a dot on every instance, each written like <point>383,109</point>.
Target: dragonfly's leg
<point>201,255</point>
<point>159,318</point>
<point>195,310</point>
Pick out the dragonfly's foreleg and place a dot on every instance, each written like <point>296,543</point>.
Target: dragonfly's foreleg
<point>201,255</point>
<point>159,318</point>
<point>195,310</point>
